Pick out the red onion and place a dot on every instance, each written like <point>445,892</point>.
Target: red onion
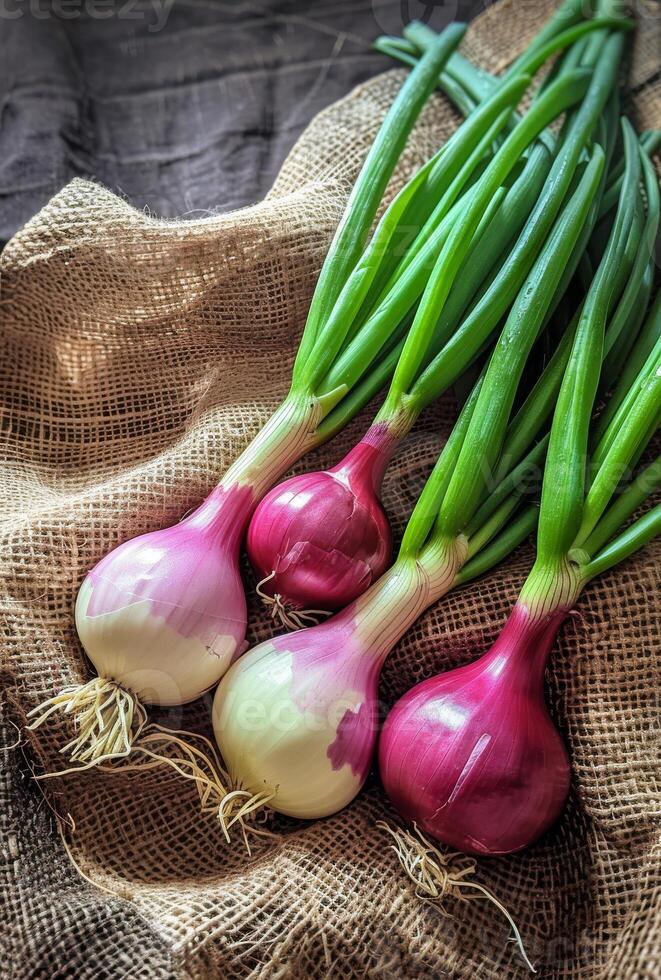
<point>317,541</point>
<point>472,755</point>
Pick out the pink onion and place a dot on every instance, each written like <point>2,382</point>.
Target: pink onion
<point>295,718</point>
<point>472,755</point>
<point>164,614</point>
<point>317,541</point>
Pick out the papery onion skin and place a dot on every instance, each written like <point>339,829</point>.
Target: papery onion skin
<point>320,539</point>
<point>164,614</point>
<point>472,755</point>
<point>296,717</point>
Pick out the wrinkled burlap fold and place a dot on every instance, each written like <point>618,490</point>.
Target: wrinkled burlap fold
<point>139,356</point>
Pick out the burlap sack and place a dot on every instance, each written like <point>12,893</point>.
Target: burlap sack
<point>139,357</point>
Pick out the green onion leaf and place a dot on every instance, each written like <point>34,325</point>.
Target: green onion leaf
<point>564,476</point>
<point>349,239</point>
<point>484,440</point>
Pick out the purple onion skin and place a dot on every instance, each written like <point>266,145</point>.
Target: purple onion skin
<point>325,534</point>
<point>472,755</point>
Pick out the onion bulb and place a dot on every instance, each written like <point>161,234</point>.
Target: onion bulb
<point>296,717</point>
<point>319,540</point>
<point>472,756</point>
<point>163,616</point>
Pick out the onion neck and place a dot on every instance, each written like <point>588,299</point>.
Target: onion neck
<point>288,435</point>
<point>552,586</point>
<point>383,614</point>
<point>523,647</point>
<point>365,465</point>
<point>526,640</point>
<point>224,515</point>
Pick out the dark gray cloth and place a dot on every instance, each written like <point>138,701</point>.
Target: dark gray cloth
<point>184,107</point>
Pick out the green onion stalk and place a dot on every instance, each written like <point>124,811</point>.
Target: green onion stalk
<point>472,755</point>
<point>466,85</point>
<point>318,540</point>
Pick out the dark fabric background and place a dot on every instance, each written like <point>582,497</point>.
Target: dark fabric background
<point>183,107</point>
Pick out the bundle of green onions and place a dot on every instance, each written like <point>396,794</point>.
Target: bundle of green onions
<point>472,756</point>
<point>311,697</point>
<point>323,680</point>
<point>319,540</point>
<point>163,616</point>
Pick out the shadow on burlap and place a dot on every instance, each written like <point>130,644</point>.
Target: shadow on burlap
<point>139,358</point>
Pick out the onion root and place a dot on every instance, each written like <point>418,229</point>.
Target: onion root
<point>438,876</point>
<point>284,613</point>
<point>112,725</point>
